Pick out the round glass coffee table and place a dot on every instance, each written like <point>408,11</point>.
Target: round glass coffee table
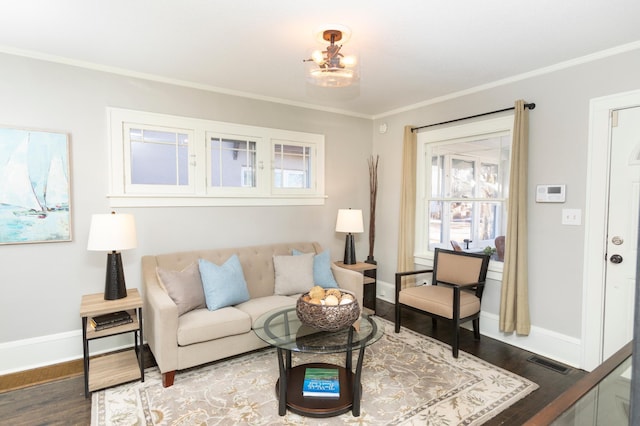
<point>282,328</point>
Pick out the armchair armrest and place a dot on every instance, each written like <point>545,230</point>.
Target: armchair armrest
<point>161,318</point>
<point>399,276</point>
<point>469,287</point>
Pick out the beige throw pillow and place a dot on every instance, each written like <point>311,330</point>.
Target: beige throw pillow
<point>184,287</point>
<point>294,274</point>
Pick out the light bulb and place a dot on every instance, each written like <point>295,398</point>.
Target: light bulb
<point>317,57</point>
<point>349,61</point>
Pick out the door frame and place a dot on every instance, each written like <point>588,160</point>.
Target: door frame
<point>594,271</point>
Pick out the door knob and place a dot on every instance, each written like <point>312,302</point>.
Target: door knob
<point>616,258</point>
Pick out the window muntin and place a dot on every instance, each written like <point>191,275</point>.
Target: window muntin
<point>157,159</point>
<point>291,166</point>
<point>463,185</point>
<point>462,180</point>
<point>232,162</point>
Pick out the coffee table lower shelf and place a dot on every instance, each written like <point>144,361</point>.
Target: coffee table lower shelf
<point>315,406</point>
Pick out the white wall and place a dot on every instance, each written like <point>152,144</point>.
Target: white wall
<point>42,284</point>
<point>558,154</point>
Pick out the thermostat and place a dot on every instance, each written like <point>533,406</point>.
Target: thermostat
<point>550,194</point>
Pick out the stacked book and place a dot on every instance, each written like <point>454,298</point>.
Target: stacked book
<point>112,319</point>
<point>321,382</point>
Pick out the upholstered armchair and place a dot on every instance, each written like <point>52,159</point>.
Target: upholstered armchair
<point>454,295</point>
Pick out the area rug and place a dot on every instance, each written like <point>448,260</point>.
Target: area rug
<point>407,378</point>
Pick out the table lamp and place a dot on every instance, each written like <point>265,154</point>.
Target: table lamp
<point>349,221</point>
<point>112,233</point>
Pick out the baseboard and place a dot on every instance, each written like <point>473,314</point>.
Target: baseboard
<point>543,342</point>
<point>27,354</point>
<point>386,291</point>
<point>39,352</point>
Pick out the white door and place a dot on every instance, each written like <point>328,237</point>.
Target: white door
<point>622,230</point>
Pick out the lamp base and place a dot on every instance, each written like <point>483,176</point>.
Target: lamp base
<point>349,250</point>
<point>114,285</point>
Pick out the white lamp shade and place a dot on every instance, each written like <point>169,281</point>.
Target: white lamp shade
<point>112,232</point>
<point>349,220</point>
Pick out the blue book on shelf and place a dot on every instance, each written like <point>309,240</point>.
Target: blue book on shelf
<point>321,382</point>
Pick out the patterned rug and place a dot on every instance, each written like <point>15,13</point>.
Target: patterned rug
<point>407,379</point>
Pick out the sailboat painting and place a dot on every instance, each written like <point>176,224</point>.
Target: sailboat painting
<point>34,187</point>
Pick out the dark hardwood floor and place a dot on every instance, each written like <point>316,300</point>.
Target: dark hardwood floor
<point>551,383</point>
<point>62,401</point>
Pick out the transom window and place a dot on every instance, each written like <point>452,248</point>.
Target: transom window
<point>232,162</point>
<point>157,157</point>
<point>463,180</point>
<point>166,160</point>
<point>291,166</point>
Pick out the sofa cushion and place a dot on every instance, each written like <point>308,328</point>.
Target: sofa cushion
<point>223,285</point>
<point>202,325</point>
<point>184,287</point>
<point>322,274</point>
<point>261,305</point>
<point>294,274</point>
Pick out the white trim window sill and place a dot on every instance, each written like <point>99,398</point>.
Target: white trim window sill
<point>204,201</point>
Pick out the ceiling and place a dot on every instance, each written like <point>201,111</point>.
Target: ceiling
<point>411,52</point>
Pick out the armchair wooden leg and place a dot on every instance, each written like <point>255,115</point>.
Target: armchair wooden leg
<point>476,328</point>
<point>167,378</point>
<point>456,339</point>
<point>397,328</point>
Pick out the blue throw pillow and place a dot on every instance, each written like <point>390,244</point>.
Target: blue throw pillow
<point>322,274</point>
<point>223,285</point>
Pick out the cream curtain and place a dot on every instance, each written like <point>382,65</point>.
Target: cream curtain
<point>514,298</point>
<point>406,232</point>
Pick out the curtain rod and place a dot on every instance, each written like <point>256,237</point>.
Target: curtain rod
<point>530,106</point>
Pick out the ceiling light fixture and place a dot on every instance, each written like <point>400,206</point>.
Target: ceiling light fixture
<point>329,67</point>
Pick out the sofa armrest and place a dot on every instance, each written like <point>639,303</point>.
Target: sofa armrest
<point>161,318</point>
<point>349,280</point>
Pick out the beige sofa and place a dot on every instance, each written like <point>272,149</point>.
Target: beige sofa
<point>201,336</point>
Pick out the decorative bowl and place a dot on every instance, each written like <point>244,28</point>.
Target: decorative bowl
<point>328,317</point>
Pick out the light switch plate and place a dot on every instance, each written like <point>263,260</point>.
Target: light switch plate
<point>572,217</point>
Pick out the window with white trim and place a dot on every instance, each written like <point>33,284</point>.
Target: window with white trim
<point>164,160</point>
<point>157,159</point>
<point>463,185</point>
<point>292,167</point>
<point>231,164</point>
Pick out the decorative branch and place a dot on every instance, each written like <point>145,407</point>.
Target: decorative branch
<point>373,194</point>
